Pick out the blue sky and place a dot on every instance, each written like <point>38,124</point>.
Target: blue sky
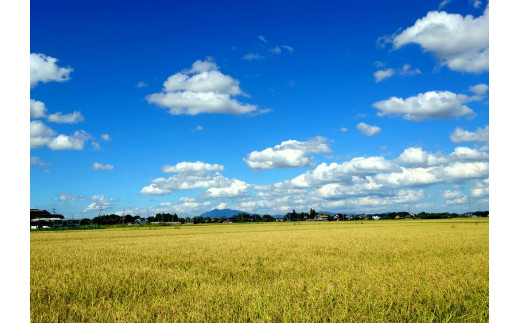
<point>261,106</point>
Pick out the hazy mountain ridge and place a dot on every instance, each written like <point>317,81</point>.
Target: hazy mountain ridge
<point>218,213</point>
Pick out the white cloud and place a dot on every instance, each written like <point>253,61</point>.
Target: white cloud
<point>363,184</point>
<point>233,189</point>
<point>290,153</point>
<point>141,85</point>
<point>460,135</point>
<point>461,43</point>
<point>459,171</point>
<point>262,38</point>
<point>479,89</point>
<point>475,3</point>
<point>36,161</point>
<point>201,89</point>
<point>367,129</point>
<point>481,189</point>
<point>342,173</point>
<point>38,109</point>
<point>383,74</point>
<point>406,70</point>
<point>58,117</point>
<point>418,176</point>
<point>67,197</point>
<point>210,80</point>
<point>198,128</point>
<point>289,48</point>
<point>74,142</point>
<point>100,202</point>
<point>189,175</point>
<point>344,129</point>
<point>98,166</point>
<point>468,154</point>
<point>416,157</point>
<point>443,3</point>
<point>401,197</point>
<point>426,106</point>
<point>197,167</point>
<point>105,137</point>
<point>276,50</point>
<point>222,206</point>
<point>40,134</point>
<point>455,197</point>
<point>252,57</point>
<point>44,69</point>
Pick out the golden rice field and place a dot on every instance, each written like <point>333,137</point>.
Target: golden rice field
<point>384,271</point>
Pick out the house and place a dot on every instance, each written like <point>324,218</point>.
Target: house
<point>45,223</point>
<point>141,221</point>
<point>322,217</point>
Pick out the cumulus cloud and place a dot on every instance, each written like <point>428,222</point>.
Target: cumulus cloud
<point>461,43</point>
<point>400,197</point>
<point>98,166</point>
<point>74,142</point>
<point>201,89</point>
<point>343,173</point>
<point>455,197</point>
<point>38,109</point>
<point>468,154</point>
<point>479,89</point>
<point>416,157</point>
<point>418,176</point>
<point>426,106</point>
<point>460,135</point>
<point>460,171</point>
<point>288,154</point>
<point>234,188</point>
<point>192,175</point>
<point>197,167</point>
<point>360,184</point>
<point>481,189</point>
<point>40,134</point>
<point>70,118</point>
<point>367,129</point>
<point>383,74</point>
<point>44,69</point>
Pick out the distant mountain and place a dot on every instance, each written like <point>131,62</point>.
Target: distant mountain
<point>219,213</point>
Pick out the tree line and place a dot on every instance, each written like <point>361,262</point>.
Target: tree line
<point>113,219</point>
